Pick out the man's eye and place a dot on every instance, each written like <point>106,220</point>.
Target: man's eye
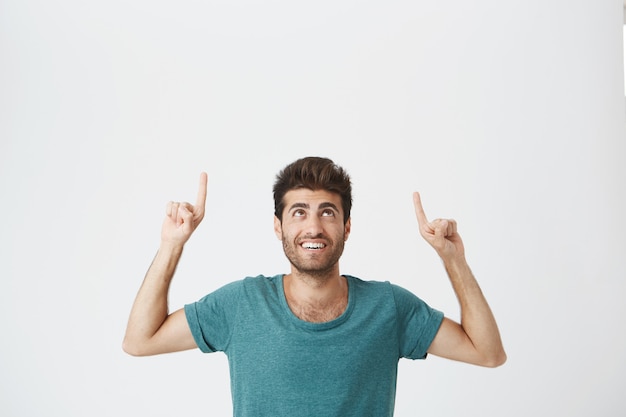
<point>328,213</point>
<point>298,213</point>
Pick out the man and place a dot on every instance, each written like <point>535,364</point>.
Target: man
<point>312,342</point>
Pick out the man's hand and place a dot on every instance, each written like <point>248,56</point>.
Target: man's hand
<point>476,339</point>
<point>181,219</point>
<point>441,234</point>
<point>151,329</point>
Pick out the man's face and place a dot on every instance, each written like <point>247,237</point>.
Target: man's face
<point>312,231</point>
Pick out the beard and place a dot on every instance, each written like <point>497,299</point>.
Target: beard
<point>311,263</point>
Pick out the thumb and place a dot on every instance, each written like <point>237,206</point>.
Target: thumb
<point>440,227</point>
<point>186,218</point>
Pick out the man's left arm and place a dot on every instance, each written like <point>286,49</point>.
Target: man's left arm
<point>476,339</point>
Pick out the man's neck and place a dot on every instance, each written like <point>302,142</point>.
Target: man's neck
<point>316,299</point>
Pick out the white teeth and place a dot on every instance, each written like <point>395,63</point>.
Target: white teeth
<point>312,245</point>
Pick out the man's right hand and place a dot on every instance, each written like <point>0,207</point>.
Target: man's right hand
<point>151,329</point>
<point>182,218</point>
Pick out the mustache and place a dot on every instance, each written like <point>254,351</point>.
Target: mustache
<point>310,236</point>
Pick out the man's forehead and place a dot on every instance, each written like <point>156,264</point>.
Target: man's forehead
<point>308,196</point>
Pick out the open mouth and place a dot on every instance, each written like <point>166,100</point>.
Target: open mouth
<point>313,245</point>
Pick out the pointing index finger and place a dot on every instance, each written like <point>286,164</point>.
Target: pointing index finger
<point>419,210</point>
<point>201,200</point>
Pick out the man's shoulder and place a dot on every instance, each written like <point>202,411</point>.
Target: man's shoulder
<point>367,284</point>
<point>383,288</point>
<point>262,287</point>
<point>262,280</point>
<point>248,288</point>
<point>370,289</point>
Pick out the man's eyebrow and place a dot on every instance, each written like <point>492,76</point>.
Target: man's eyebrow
<point>299,205</point>
<point>329,204</point>
<point>324,205</point>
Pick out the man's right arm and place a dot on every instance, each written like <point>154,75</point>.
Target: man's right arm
<point>151,329</point>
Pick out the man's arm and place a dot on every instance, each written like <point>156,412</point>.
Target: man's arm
<point>151,330</point>
<point>476,339</point>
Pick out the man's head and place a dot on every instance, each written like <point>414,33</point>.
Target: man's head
<point>313,173</point>
<point>312,202</point>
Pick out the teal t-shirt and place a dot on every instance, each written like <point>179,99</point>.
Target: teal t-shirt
<point>283,366</point>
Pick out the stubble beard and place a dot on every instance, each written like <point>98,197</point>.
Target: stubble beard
<point>318,269</point>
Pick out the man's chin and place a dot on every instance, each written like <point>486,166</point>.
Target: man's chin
<point>315,271</point>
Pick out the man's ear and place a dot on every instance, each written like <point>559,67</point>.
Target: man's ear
<point>347,227</point>
<point>278,228</point>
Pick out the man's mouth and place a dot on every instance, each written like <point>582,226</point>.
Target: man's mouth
<point>313,245</point>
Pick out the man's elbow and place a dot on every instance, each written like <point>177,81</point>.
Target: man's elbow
<point>495,360</point>
<point>133,349</point>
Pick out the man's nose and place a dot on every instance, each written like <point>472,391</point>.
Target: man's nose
<point>314,226</point>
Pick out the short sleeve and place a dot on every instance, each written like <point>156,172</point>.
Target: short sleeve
<point>417,322</point>
<point>213,317</point>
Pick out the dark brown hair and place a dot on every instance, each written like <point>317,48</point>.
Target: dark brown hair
<point>314,173</point>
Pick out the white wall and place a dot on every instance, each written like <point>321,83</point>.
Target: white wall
<point>507,116</point>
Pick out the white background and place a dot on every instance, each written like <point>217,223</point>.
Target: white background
<point>508,116</point>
